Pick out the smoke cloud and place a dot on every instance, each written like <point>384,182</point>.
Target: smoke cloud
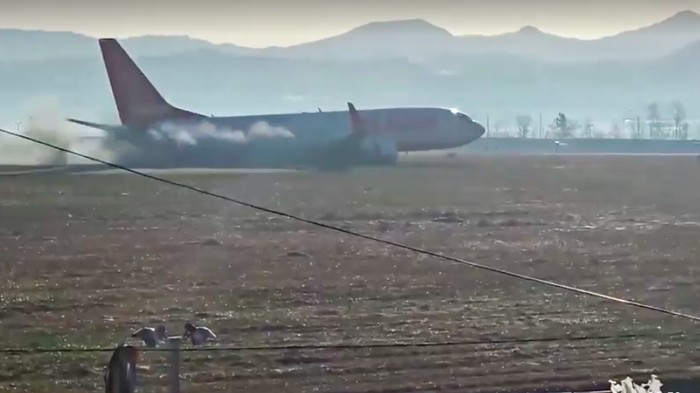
<point>46,122</point>
<point>190,135</point>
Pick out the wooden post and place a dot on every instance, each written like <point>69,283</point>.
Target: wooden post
<point>120,375</point>
<point>174,365</point>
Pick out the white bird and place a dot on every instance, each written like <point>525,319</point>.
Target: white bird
<point>654,384</point>
<point>627,385</point>
<point>198,334</point>
<point>615,387</point>
<point>151,337</point>
<point>640,389</point>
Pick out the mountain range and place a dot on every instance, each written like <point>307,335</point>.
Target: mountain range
<point>408,62</point>
<point>412,39</point>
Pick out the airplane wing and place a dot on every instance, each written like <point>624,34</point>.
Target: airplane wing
<point>98,126</point>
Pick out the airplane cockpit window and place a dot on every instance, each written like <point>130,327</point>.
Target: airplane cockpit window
<point>460,115</point>
<point>463,116</point>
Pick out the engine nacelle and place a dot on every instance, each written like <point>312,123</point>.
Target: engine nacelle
<point>379,150</point>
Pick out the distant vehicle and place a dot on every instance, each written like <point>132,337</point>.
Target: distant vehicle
<point>164,136</point>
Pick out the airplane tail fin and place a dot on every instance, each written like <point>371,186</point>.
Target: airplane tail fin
<point>138,102</point>
<point>359,127</point>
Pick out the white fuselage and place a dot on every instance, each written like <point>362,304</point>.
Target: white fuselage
<point>413,129</point>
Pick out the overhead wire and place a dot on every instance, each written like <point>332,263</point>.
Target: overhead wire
<point>364,236</point>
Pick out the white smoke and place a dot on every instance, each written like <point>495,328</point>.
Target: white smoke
<point>46,122</point>
<point>191,134</point>
<point>262,130</point>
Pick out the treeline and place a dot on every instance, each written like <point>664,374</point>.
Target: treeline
<point>656,123</point>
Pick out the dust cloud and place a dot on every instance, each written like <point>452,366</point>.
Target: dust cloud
<point>46,122</point>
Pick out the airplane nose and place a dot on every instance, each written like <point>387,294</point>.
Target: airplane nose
<point>471,130</point>
<point>478,130</point>
<point>474,131</point>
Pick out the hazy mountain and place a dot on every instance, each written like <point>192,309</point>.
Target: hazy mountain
<point>528,41</point>
<point>416,40</point>
<point>688,55</point>
<point>413,39</point>
<point>19,45</point>
<point>24,45</point>
<point>649,42</point>
<point>661,38</point>
<point>497,85</point>
<point>154,45</point>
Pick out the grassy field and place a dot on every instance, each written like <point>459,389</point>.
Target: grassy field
<point>86,259</point>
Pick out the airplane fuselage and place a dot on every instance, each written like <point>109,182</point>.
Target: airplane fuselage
<point>413,129</point>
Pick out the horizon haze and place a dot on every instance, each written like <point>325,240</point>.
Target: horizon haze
<point>253,24</point>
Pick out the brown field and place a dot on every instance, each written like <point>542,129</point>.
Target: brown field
<point>88,258</point>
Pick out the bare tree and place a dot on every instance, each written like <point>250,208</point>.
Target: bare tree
<point>564,127</point>
<point>680,127</point>
<point>654,117</point>
<point>638,131</point>
<point>524,123</point>
<point>588,128</point>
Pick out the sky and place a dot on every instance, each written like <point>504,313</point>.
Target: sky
<point>260,23</point>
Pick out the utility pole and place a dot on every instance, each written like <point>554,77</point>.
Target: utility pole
<point>639,127</point>
<point>18,124</point>
<point>174,377</point>
<point>488,126</point>
<point>540,131</point>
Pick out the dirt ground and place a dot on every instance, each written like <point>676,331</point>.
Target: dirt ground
<point>87,259</point>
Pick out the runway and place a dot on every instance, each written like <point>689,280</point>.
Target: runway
<point>20,170</point>
<point>414,159</point>
<point>189,171</point>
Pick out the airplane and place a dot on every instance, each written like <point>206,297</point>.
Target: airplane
<point>322,139</point>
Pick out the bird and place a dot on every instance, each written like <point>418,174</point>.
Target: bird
<point>151,337</point>
<point>198,334</point>
<point>628,386</point>
<point>654,384</point>
<point>615,387</point>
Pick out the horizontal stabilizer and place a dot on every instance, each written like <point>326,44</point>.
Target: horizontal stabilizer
<point>103,127</point>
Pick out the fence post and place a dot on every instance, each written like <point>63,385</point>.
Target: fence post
<point>174,365</point>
